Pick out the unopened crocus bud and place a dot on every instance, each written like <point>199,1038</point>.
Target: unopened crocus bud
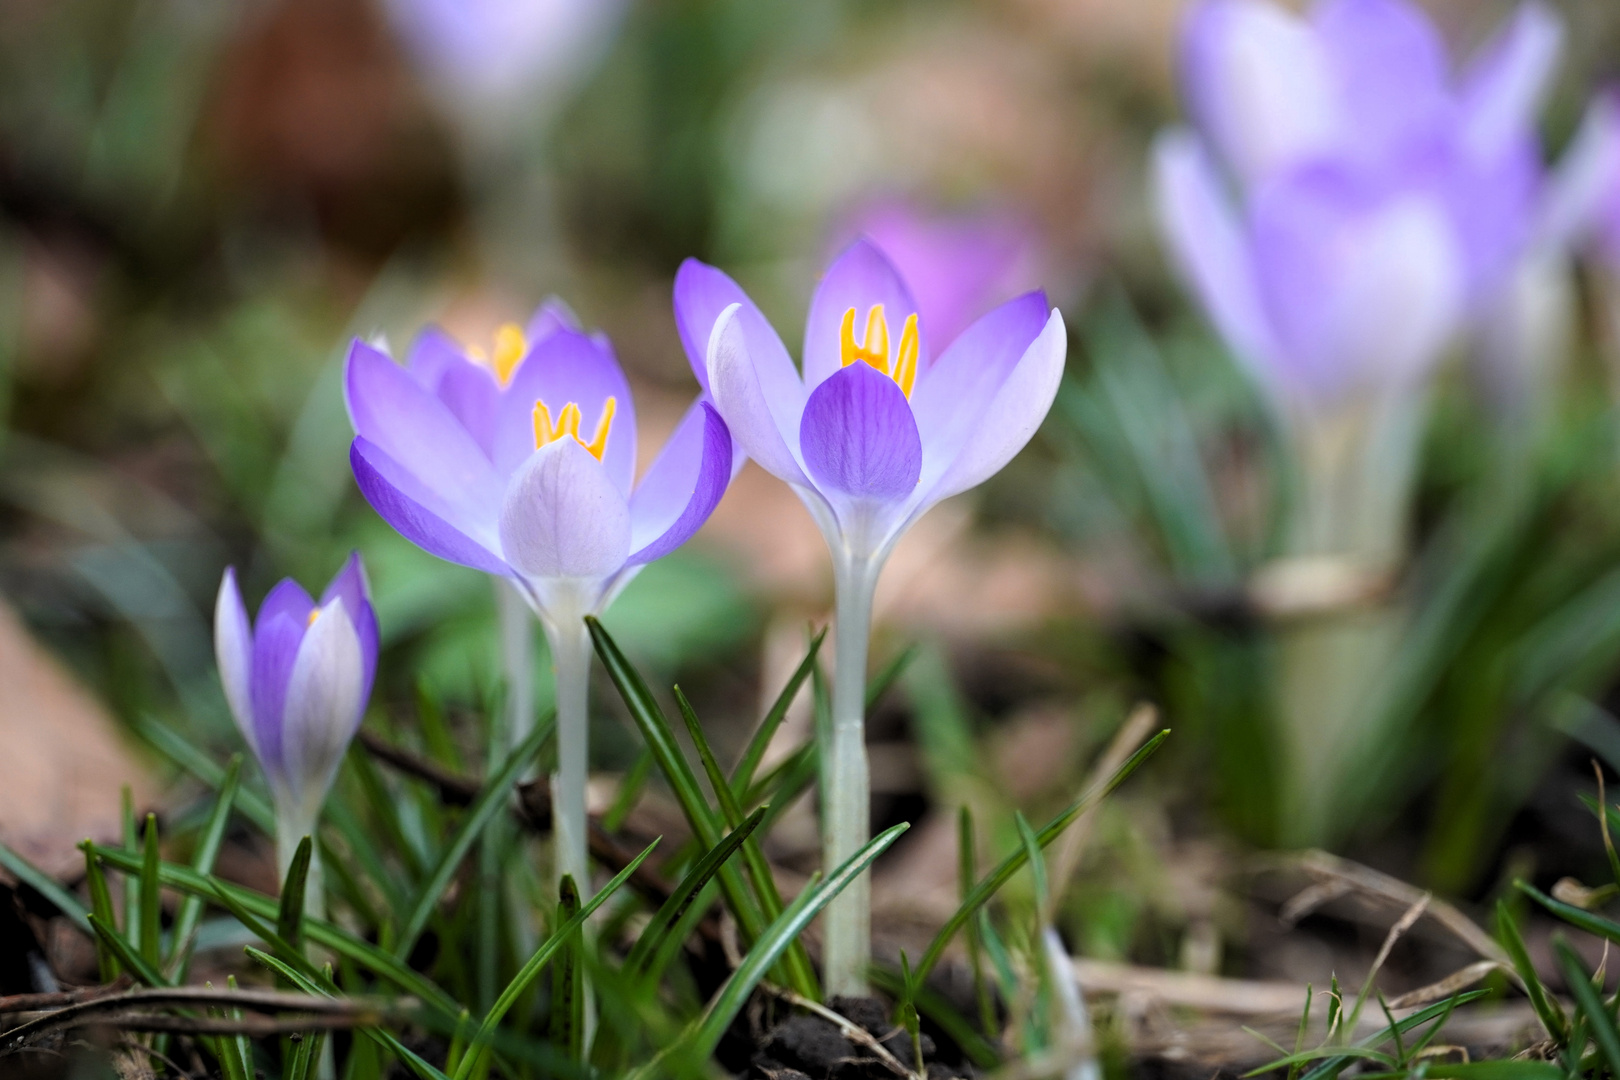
<point>297,680</point>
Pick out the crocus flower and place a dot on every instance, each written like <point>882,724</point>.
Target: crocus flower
<point>1583,206</point>
<point>297,680</point>
<point>874,432</point>
<point>958,265</point>
<point>520,462</point>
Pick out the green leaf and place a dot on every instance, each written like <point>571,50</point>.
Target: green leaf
<point>150,936</point>
<point>1585,920</point>
<point>1037,865</point>
<point>880,683</point>
<point>46,886</point>
<point>184,753</point>
<point>101,905</point>
<point>290,913</point>
<point>702,1038</point>
<point>232,1051</point>
<point>670,912</point>
<point>743,775</point>
<point>133,961</point>
<point>796,962</point>
<point>1335,1060</point>
<point>531,970</point>
<point>492,799</point>
<point>630,788</point>
<point>1589,1002</point>
<point>568,980</point>
<point>984,890</point>
<point>1547,1008</point>
<point>202,861</point>
<point>1495,1070</point>
<point>932,1004</point>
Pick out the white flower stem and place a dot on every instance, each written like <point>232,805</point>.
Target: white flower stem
<point>571,657</point>
<point>847,802</point>
<point>517,659</point>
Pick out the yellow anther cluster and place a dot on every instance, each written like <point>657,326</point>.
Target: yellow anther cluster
<point>874,346</point>
<point>510,349</point>
<point>548,431</point>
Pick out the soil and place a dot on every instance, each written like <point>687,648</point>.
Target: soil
<point>805,1046</point>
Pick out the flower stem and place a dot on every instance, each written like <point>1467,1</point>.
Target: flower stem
<point>847,807</point>
<point>571,657</point>
<point>517,659</point>
<point>291,828</point>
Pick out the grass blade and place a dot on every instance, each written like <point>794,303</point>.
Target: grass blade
<point>568,979</point>
<point>46,886</point>
<point>1590,1003</point>
<point>743,775</point>
<point>491,800</point>
<point>1547,1009</point>
<point>180,750</point>
<point>290,913</point>
<point>127,955</point>
<point>1343,1057</point>
<point>208,845</point>
<point>880,683</point>
<point>1585,920</point>
<point>101,905</point>
<point>984,890</point>
<point>149,938</point>
<point>630,788</point>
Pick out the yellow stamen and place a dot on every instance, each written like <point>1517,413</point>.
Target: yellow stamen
<point>510,348</point>
<point>567,423</point>
<point>314,613</point>
<point>905,362</point>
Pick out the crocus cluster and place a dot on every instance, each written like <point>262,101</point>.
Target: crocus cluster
<point>874,431</point>
<point>1346,199</point>
<point>297,680</point>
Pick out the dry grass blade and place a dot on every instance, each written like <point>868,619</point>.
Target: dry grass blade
<point>1455,982</point>
<point>1310,898</point>
<point>1365,880</point>
<point>1185,989</point>
<point>1072,844</point>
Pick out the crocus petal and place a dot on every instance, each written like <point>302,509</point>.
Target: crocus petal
<point>1204,236</point>
<point>1012,417</point>
<point>552,315</point>
<point>432,354</point>
<point>736,383</point>
<point>287,598</point>
<point>859,278</point>
<point>1582,202</point>
<point>949,398</point>
<point>564,517</point>
<point>354,590</point>
<point>1390,67</point>
<point>391,411</point>
<point>1504,88</point>
<point>419,515</point>
<point>683,486</point>
<point>469,391</point>
<point>702,292</point>
<point>859,438</point>
<point>233,651</point>
<point>568,367</point>
<point>1259,83</point>
<point>276,640</point>
<point>325,697</point>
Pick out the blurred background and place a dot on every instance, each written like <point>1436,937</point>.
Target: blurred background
<point>201,203</point>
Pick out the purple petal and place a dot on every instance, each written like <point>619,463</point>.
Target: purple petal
<point>702,292</point>
<point>1504,87</point>
<point>276,637</point>
<point>1258,84</point>
<point>395,414</point>
<point>325,698</point>
<point>859,278</point>
<point>739,390</point>
<point>233,651</point>
<point>1391,68</point>
<point>287,598</point>
<point>471,394</point>
<point>859,437</point>
<point>432,354</point>
<point>354,590</point>
<point>683,486</point>
<point>418,515</point>
<point>1583,197</point>
<point>950,397</point>
<point>564,516</point>
<point>1012,416</point>
<point>568,367</point>
<point>1204,236</point>
<point>552,315</point>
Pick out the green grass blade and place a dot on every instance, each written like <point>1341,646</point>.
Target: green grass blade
<point>491,801</point>
<point>630,789</point>
<point>202,861</point>
<point>795,969</point>
<point>880,683</point>
<point>1547,1009</point>
<point>1585,920</point>
<point>150,937</point>
<point>1494,1070</point>
<point>317,931</point>
<point>743,775</point>
<point>1032,855</point>
<point>1589,1002</point>
<point>984,890</point>
<point>180,750</point>
<point>670,912</point>
<point>933,1005</point>
<point>46,886</point>
<point>128,955</point>
<point>101,906</point>
<point>706,1033</point>
<point>660,739</point>
<point>568,979</point>
<point>290,912</point>
<point>1337,1059</point>
<point>531,970</point>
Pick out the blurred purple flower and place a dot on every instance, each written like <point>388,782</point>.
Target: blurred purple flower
<point>1349,200</point>
<point>958,266</point>
<point>876,431</point>
<point>522,463</point>
<point>1583,203</point>
<point>503,55</point>
<point>297,682</point>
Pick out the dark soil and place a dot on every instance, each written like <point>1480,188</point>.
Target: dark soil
<point>804,1046</point>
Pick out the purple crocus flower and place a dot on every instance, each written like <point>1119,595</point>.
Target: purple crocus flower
<point>297,680</point>
<point>521,463</point>
<point>1583,205</point>
<point>874,432</point>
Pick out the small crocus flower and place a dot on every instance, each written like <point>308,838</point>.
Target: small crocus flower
<point>297,680</point>
<point>874,432</point>
<point>1582,210</point>
<point>520,462</point>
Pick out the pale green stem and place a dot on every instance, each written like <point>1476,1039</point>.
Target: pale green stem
<point>517,659</point>
<point>847,828</point>
<point>293,823</point>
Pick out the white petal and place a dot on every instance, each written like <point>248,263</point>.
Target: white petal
<point>324,703</point>
<point>233,651</point>
<point>563,516</point>
<point>743,404</point>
